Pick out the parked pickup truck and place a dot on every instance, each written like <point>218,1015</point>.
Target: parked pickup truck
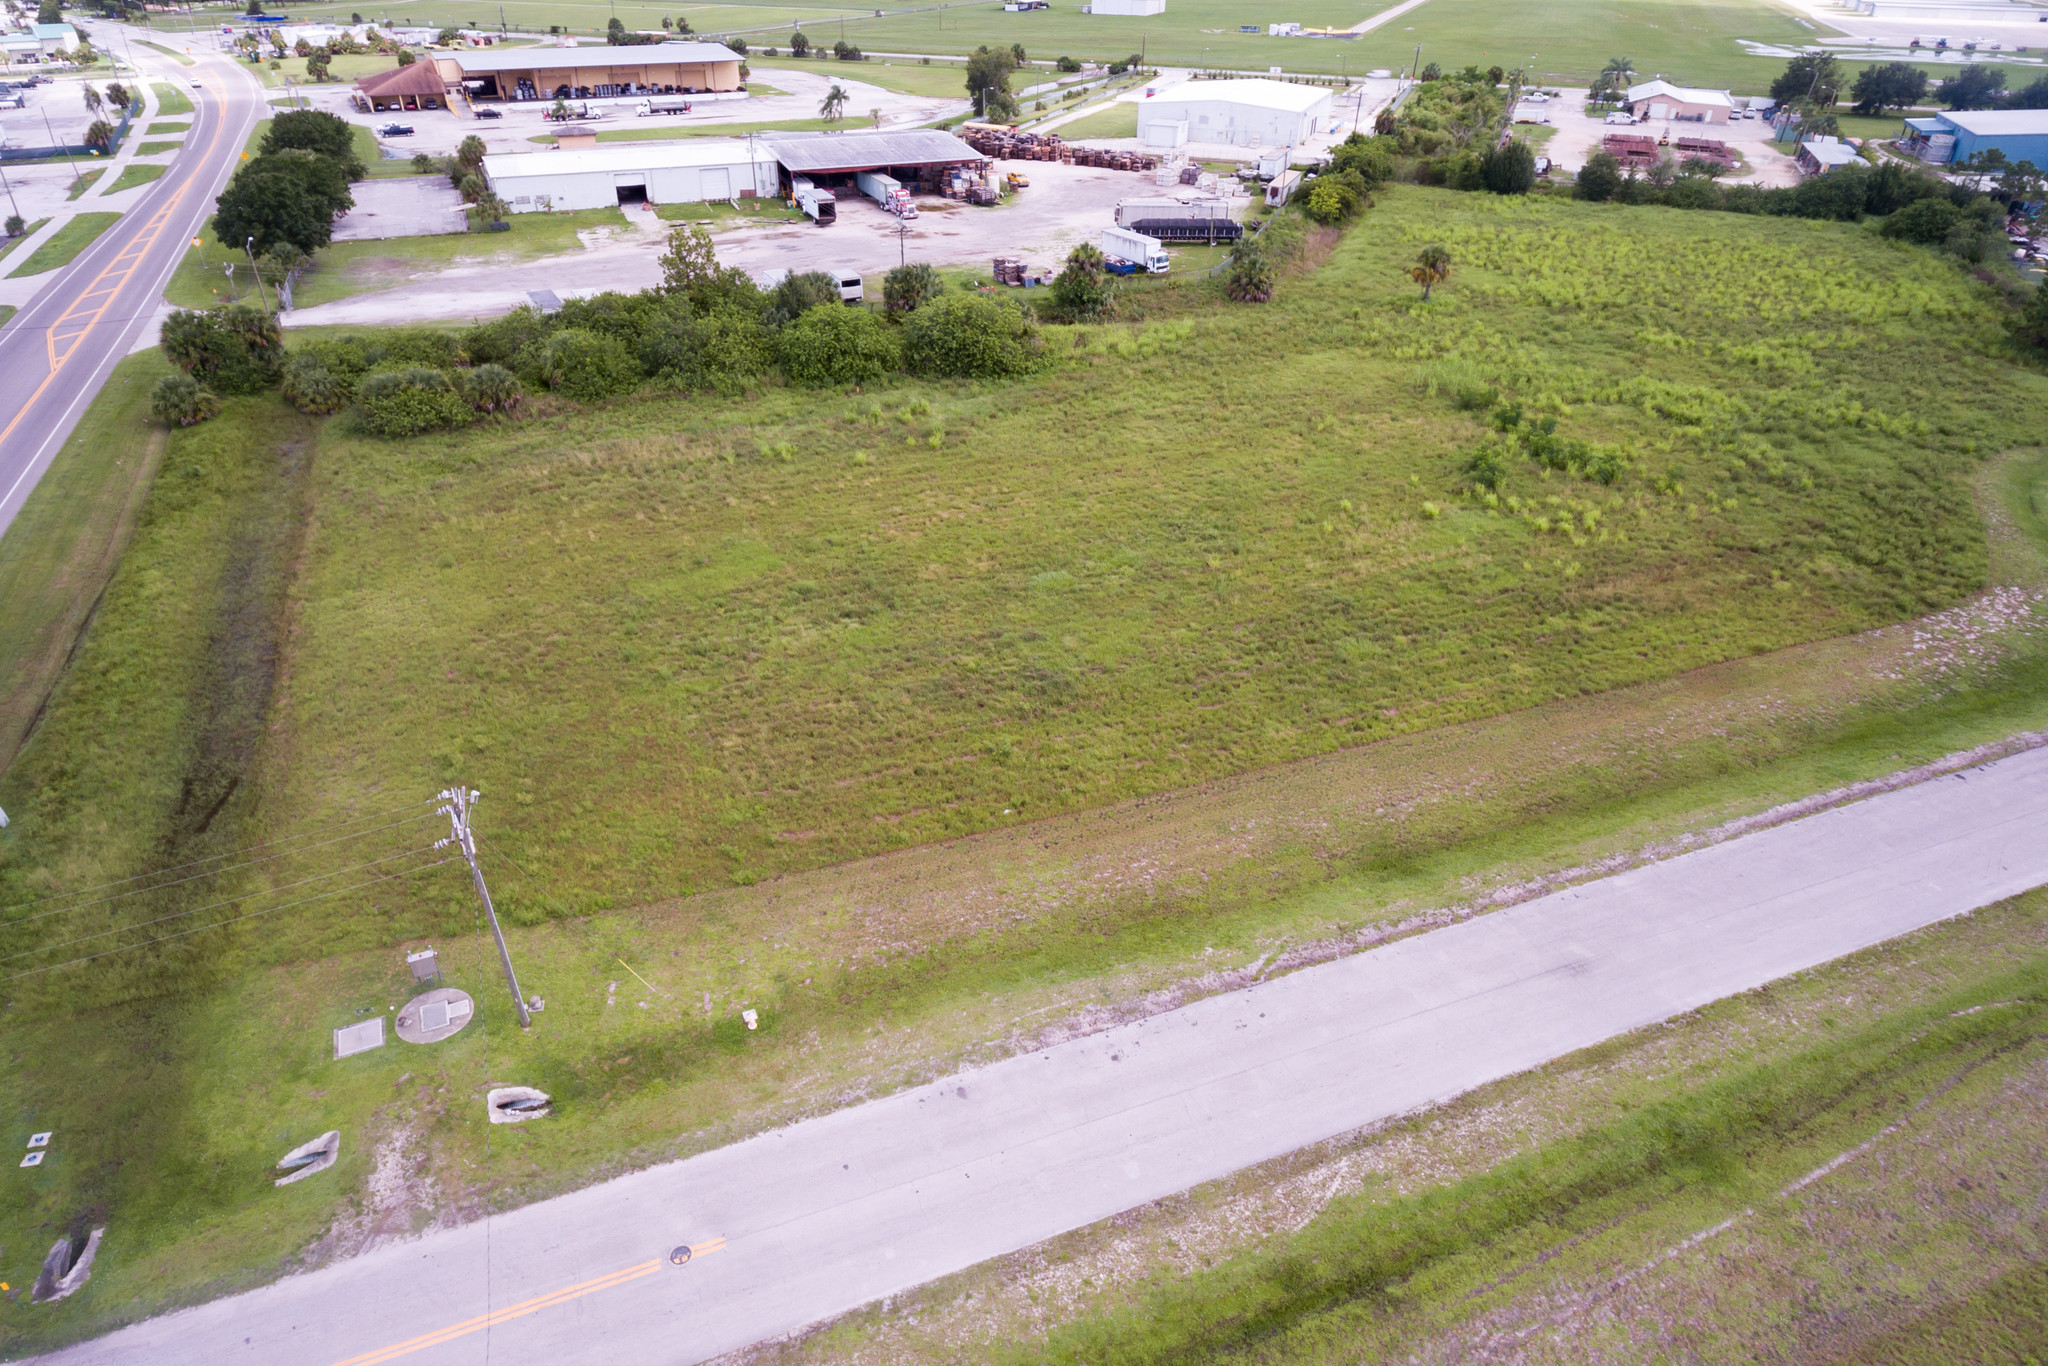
<point>395,130</point>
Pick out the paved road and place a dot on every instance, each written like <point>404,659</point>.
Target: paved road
<point>57,352</point>
<point>826,1215</point>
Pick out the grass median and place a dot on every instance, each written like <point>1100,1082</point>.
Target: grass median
<point>65,244</point>
<point>171,101</point>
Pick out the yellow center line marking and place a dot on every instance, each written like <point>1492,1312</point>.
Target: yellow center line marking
<point>520,1310</point>
<point>137,249</point>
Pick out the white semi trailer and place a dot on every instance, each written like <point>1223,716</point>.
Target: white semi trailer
<point>887,191</point>
<point>818,205</point>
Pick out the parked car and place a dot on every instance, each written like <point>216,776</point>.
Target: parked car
<point>1618,117</point>
<point>197,86</point>
<point>395,130</point>
<point>490,113</point>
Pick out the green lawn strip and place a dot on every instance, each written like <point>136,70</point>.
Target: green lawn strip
<point>150,149</point>
<point>1112,121</point>
<point>722,130</point>
<point>64,543</point>
<point>65,243</point>
<point>1734,1140</point>
<point>172,127</point>
<point>84,181</point>
<point>181,58</point>
<point>7,311</point>
<point>133,175</point>
<point>170,100</point>
<point>723,214</point>
<point>8,244</point>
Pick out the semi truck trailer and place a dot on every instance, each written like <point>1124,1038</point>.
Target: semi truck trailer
<point>1137,248</point>
<point>818,205</point>
<point>887,191</point>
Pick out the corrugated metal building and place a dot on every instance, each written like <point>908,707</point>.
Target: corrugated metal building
<point>829,154</point>
<point>686,172</point>
<point>2022,134</point>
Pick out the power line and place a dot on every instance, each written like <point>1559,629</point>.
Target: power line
<point>227,901</point>
<point>214,858</point>
<point>216,872</point>
<point>231,920</point>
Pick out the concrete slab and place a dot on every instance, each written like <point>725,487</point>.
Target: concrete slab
<point>405,206</point>
<point>435,1015</point>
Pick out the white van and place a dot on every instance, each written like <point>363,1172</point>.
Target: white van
<point>849,288</point>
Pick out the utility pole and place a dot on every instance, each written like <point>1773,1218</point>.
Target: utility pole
<point>250,247</point>
<point>459,801</point>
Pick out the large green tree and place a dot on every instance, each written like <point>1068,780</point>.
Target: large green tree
<point>988,82</point>
<point>309,130</point>
<point>1895,85</point>
<point>290,196</point>
<point>1805,76</point>
<point>1974,87</point>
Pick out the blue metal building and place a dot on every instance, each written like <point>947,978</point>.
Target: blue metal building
<point>2022,134</point>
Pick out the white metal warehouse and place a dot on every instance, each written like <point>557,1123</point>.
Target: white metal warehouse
<point>1246,113</point>
<point>684,172</point>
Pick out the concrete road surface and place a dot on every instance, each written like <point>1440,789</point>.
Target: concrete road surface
<point>683,1262</point>
<point>57,352</point>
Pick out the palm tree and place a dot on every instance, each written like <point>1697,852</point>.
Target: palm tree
<point>1432,267</point>
<point>834,105</point>
<point>92,100</point>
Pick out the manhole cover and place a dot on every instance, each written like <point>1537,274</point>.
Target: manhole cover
<point>435,1015</point>
<point>680,1255</point>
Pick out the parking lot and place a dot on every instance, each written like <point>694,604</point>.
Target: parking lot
<point>1578,137</point>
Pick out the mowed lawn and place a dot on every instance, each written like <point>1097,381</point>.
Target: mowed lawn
<point>685,642</point>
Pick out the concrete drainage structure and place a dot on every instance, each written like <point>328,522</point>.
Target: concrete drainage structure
<point>308,1158</point>
<point>516,1104</point>
<point>63,1272</point>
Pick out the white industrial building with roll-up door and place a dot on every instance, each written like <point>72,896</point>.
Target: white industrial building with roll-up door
<point>1245,113</point>
<point>695,171</point>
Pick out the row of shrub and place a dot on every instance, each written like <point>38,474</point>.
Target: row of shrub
<point>706,328</point>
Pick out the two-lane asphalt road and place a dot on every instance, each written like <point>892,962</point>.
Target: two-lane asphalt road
<point>56,353</point>
<point>686,1261</point>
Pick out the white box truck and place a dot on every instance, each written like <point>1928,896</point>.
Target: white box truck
<point>818,205</point>
<point>1136,248</point>
<point>887,191</point>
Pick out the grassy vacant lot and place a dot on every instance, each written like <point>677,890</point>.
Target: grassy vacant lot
<point>66,243</point>
<point>939,80</point>
<point>1112,121</point>
<point>170,100</point>
<point>158,129</point>
<point>84,181</point>
<point>688,643</point>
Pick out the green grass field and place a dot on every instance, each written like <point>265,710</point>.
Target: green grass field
<point>1114,121</point>
<point>150,149</point>
<point>134,175</point>
<point>939,80</point>
<point>8,244</point>
<point>694,645</point>
<point>7,311</point>
<point>66,243</point>
<point>1692,40</point>
<point>159,129</point>
<point>170,100</point>
<point>84,181</point>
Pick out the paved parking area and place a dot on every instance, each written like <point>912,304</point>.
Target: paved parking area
<point>408,206</point>
<point>1578,137</point>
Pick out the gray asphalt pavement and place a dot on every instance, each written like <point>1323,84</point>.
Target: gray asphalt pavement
<point>820,1217</point>
<point>57,352</point>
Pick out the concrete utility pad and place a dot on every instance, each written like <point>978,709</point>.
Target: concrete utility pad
<point>407,206</point>
<point>435,1015</point>
<point>359,1038</point>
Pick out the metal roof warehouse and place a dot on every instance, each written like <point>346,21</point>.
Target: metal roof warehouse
<point>694,170</point>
